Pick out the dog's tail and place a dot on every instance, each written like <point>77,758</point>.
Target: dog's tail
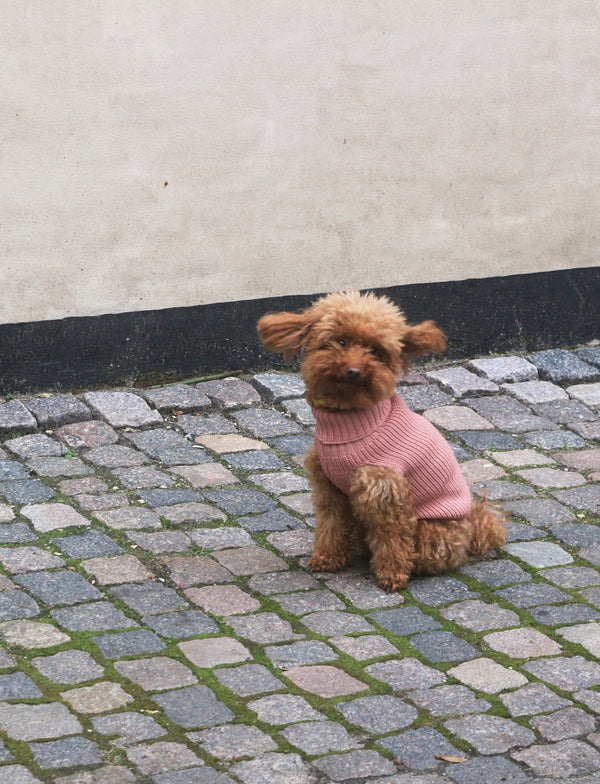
<point>488,527</point>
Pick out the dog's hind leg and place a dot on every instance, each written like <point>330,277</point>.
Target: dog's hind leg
<point>382,501</point>
<point>441,545</point>
<point>487,529</point>
<point>335,542</point>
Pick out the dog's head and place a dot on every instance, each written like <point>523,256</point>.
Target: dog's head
<point>353,346</point>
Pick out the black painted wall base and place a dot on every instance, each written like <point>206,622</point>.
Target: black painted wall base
<point>480,316</point>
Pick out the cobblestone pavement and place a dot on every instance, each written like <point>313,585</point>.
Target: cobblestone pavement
<point>158,622</point>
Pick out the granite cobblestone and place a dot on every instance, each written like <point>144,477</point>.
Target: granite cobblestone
<point>155,602</point>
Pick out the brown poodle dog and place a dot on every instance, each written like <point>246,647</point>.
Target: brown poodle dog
<point>382,476</point>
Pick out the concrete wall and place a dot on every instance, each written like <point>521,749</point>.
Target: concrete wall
<point>170,153</point>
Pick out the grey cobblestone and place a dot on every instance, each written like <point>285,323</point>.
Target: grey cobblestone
<point>261,423</point>
<point>162,756</point>
<point>560,760</point>
<point>487,676</point>
<point>532,699</point>
<point>491,770</point>
<point>264,628</point>
<point>539,554</point>
<point>460,382</point>
<point>533,594</point>
<point>483,441</point>
<point>364,763</point>
<point>121,409</point>
<point>15,416</point>
<point>509,415</point>
<point>161,497</point>
<point>170,448</point>
<point>406,674</point>
<point>93,617</point>
<point>230,393</point>
<point>88,544</point>
<point>300,653</point>
<point>193,707</point>
<point>284,709</point>
<point>277,387</point>
<point>115,456</point>
<point>16,533</point>
<point>181,624</point>
<point>156,673</point>
<point>68,667</point>
<point>309,602</point>
<point>171,612</point>
<point>496,573</point>
<point>565,412</point>
<point>60,587</point>
<point>554,439</point>
<point>91,434</point>
<point>404,620</point>
<point>379,714</point>
<point>536,392</point>
<point>232,741</point>
<point>586,393</point>
<point>422,398</point>
<point>18,686</point>
<point>129,643</point>
<point>181,397</point>
<point>25,491</point>
<point>367,646</point>
<point>148,598</point>
<point>57,466</point>
<point>559,614</point>
<point>299,409</point>
<point>420,749</point>
<point>11,470</point>
<point>440,646</point>
<point>480,616</point>
<point>565,723</point>
<point>33,722</point>
<point>17,560</point>
<point>319,737</point>
<point>540,511</point>
<point>65,753</point>
<point>502,370</point>
<point>38,445</point>
<point>17,604</point>
<point>449,701</point>
<point>248,679</point>
<point>491,734</point>
<point>562,366</point>
<point>276,520</point>
<point>568,674</point>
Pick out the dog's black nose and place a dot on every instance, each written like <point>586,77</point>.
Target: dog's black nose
<point>352,373</point>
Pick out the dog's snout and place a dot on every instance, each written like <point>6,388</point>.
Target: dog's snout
<point>352,373</point>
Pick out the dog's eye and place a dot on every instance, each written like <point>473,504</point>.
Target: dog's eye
<point>341,342</point>
<point>373,351</point>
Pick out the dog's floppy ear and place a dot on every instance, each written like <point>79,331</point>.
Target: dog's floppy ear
<point>424,337</point>
<point>284,332</point>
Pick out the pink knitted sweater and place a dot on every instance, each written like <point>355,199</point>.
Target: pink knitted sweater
<point>390,434</point>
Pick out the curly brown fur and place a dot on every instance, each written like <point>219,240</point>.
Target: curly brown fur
<point>353,346</point>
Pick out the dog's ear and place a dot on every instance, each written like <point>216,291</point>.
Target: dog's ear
<point>422,338</point>
<point>284,332</point>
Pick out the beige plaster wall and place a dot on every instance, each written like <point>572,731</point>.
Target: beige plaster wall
<point>163,153</point>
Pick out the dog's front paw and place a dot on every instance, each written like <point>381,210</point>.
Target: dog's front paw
<point>392,583</point>
<point>326,562</point>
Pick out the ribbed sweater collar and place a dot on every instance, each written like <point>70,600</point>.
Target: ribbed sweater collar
<point>343,427</point>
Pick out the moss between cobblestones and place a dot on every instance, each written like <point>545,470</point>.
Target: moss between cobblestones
<point>21,752</point>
